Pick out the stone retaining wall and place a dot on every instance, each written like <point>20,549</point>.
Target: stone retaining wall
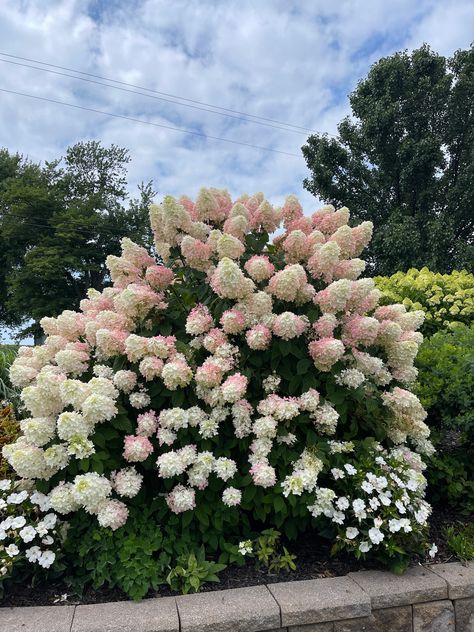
<point>435,598</point>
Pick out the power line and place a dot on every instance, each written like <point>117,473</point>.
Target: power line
<point>160,125</point>
<point>166,94</point>
<point>152,96</point>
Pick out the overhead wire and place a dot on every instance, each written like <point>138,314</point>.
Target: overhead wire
<point>143,122</point>
<point>152,96</point>
<point>166,94</point>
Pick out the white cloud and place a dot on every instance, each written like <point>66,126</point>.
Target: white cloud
<point>291,61</point>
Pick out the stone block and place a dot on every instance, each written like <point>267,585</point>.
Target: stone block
<point>237,610</point>
<point>398,619</point>
<point>388,590</point>
<point>320,600</point>
<point>149,615</point>
<point>363,624</point>
<point>435,616</point>
<point>464,612</point>
<point>37,619</point>
<point>459,577</point>
<point>313,627</point>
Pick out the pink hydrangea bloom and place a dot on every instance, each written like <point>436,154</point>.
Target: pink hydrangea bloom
<point>159,277</point>
<point>199,320</point>
<point>150,367</point>
<point>258,337</point>
<point>209,374</point>
<point>181,499</point>
<point>232,321</point>
<point>259,267</point>
<point>326,352</point>
<point>234,388</point>
<point>136,449</point>
<point>112,514</point>
<point>147,423</point>
<point>263,475</point>
<point>288,325</point>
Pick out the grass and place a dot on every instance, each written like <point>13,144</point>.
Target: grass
<point>460,539</point>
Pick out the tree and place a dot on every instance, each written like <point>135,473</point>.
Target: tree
<point>405,161</point>
<point>58,223</point>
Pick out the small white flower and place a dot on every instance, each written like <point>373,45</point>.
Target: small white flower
<point>46,559</point>
<point>33,554</point>
<point>338,517</point>
<point>412,485</point>
<point>400,506</point>
<point>3,534</point>
<point>351,533</point>
<point>27,534</point>
<point>11,550</point>
<point>374,503</point>
<point>380,460</point>
<point>43,501</point>
<point>245,547</point>
<point>342,503</point>
<point>385,499</point>
<point>18,522</point>
<point>375,535</point>
<point>5,484</point>
<point>48,540</point>
<point>432,552</point>
<point>50,520</point>
<point>367,487</point>
<point>378,522</point>
<point>17,499</point>
<point>365,546</point>
<point>350,469</point>
<point>337,473</point>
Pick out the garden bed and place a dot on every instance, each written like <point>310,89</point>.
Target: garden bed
<point>313,562</point>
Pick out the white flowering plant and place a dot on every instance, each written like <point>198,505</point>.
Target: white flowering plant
<point>30,533</point>
<point>375,502</point>
<point>215,377</point>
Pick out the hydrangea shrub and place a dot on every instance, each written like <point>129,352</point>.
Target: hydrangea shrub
<point>446,299</point>
<point>230,378</point>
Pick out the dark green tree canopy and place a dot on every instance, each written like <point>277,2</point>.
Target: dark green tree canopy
<point>405,161</point>
<point>58,223</point>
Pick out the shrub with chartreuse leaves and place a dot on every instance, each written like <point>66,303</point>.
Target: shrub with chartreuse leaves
<point>446,299</point>
<point>236,383</point>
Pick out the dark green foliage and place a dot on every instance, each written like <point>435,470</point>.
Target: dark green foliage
<point>58,223</point>
<point>446,388</point>
<point>131,558</point>
<point>446,380</point>
<point>405,161</point>
<point>450,475</point>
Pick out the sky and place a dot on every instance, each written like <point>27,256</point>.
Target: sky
<point>289,61</point>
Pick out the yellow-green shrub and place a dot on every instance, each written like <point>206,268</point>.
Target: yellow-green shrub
<point>446,299</point>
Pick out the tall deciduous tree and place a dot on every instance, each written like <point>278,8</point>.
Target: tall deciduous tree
<point>405,160</point>
<point>58,223</point>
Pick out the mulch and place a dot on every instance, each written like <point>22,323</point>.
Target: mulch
<point>313,562</point>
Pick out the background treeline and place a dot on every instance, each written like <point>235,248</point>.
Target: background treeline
<point>58,222</point>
